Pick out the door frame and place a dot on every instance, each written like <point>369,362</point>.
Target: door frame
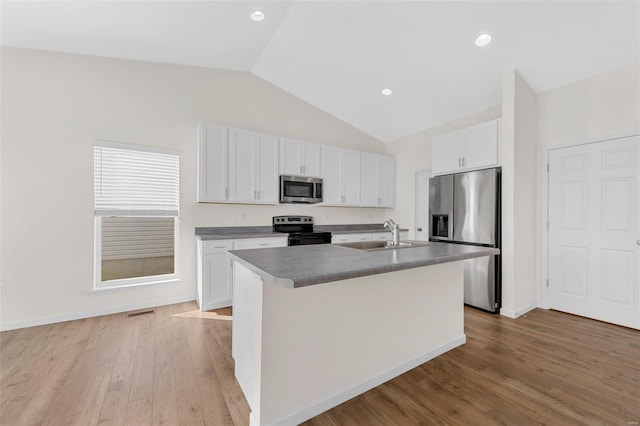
<point>544,205</point>
<point>415,199</point>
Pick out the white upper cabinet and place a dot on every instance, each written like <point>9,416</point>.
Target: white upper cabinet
<point>243,166</point>
<point>474,147</point>
<point>237,166</point>
<point>341,176</point>
<point>378,180</point>
<point>266,168</point>
<point>212,163</point>
<point>299,158</point>
<point>253,167</point>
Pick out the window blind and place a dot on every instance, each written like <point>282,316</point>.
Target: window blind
<point>135,181</point>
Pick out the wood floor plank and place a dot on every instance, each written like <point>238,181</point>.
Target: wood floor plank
<point>543,368</point>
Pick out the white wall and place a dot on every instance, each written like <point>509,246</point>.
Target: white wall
<point>519,159</point>
<point>413,154</point>
<point>604,105</point>
<point>54,105</point>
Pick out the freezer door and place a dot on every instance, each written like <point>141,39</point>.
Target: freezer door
<point>441,208</point>
<point>475,207</point>
<point>480,282</point>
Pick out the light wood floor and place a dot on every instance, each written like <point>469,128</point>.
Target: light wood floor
<point>172,367</point>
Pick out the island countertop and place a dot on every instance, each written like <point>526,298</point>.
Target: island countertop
<point>301,266</point>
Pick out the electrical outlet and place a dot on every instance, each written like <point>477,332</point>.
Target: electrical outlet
<point>243,216</point>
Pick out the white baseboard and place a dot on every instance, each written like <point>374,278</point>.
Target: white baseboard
<point>323,405</point>
<point>94,313</point>
<point>515,314</point>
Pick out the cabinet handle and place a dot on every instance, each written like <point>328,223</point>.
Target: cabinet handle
<point>459,162</point>
<point>226,193</point>
<point>258,194</point>
<point>263,244</point>
<point>300,169</point>
<point>219,246</point>
<point>462,161</point>
<point>342,198</point>
<point>419,229</point>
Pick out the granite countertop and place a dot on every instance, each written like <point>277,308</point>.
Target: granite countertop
<point>237,232</point>
<point>301,266</point>
<point>240,232</point>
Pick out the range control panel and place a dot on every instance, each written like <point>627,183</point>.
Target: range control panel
<point>284,220</point>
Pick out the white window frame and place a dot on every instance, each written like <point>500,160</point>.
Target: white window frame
<point>98,284</point>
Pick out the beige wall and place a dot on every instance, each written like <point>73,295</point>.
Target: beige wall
<point>604,105</point>
<point>413,154</point>
<point>594,108</point>
<point>519,160</point>
<point>54,105</point>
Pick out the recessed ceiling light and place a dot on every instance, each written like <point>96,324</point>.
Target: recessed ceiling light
<point>483,40</point>
<point>257,15</point>
<point>386,92</point>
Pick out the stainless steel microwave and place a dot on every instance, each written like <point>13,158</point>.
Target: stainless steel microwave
<point>300,189</point>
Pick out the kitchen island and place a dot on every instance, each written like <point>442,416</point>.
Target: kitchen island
<point>317,325</point>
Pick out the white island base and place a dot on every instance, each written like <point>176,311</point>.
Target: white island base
<point>299,352</point>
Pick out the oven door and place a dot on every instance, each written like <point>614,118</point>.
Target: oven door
<point>306,239</point>
<point>297,189</point>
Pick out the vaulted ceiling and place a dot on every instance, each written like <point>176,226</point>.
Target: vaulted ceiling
<point>339,55</point>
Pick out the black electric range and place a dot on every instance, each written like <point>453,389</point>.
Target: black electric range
<point>300,230</point>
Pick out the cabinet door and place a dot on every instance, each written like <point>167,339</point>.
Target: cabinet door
<point>481,146</point>
<point>242,166</point>
<point>447,152</point>
<point>311,159</point>
<point>386,181</point>
<point>331,190</point>
<point>350,177</point>
<point>212,163</point>
<point>370,180</point>
<point>217,281</point>
<point>290,157</point>
<point>266,160</point>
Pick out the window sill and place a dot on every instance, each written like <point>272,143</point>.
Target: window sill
<point>132,286</point>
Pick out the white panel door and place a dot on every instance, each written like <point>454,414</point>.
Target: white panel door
<point>447,152</point>
<point>311,159</point>
<point>212,163</point>
<point>290,157</point>
<point>369,180</point>
<point>594,236</point>
<point>266,163</point>
<point>350,177</point>
<point>422,205</point>
<point>242,166</point>
<point>386,181</point>
<point>482,146</point>
<point>331,190</point>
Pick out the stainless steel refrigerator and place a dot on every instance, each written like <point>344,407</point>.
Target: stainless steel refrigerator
<point>464,208</point>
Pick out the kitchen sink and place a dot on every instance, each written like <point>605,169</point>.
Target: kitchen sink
<point>380,245</point>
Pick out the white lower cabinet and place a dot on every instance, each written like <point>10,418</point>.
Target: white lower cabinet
<point>215,269</point>
<point>350,238</point>
<point>214,274</point>
<point>372,236</point>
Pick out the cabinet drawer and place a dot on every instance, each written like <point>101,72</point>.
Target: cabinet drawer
<point>349,238</point>
<point>255,243</point>
<point>217,246</point>
<point>382,236</point>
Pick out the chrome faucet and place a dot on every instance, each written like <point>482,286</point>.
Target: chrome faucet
<point>394,228</point>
